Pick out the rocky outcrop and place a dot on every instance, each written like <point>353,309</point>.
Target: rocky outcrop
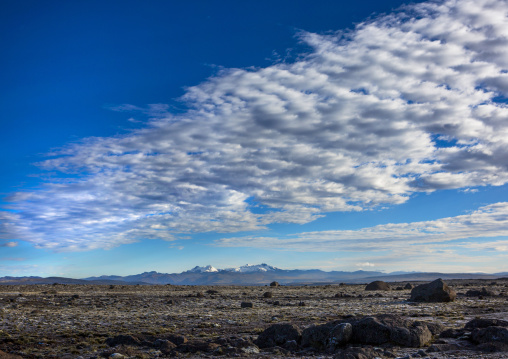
<point>334,336</point>
<point>436,291</point>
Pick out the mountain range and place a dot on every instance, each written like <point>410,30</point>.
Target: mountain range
<point>260,274</point>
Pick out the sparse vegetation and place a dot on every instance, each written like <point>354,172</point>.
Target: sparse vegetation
<point>76,320</point>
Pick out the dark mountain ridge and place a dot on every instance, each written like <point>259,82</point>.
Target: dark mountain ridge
<point>252,275</point>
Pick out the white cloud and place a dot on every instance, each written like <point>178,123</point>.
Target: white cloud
<point>404,238</point>
<point>357,123</point>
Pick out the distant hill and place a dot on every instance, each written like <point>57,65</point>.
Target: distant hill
<point>261,274</point>
<point>59,280</point>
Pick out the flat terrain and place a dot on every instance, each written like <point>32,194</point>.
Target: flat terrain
<point>71,321</point>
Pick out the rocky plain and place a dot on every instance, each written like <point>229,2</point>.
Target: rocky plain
<point>313,321</point>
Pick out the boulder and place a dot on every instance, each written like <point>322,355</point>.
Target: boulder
<point>246,305</point>
<point>484,292</point>
<point>370,331</point>
<point>490,334</point>
<point>436,291</point>
<point>378,285</point>
<point>278,335</point>
<point>408,286</point>
<point>274,284</point>
<point>391,328</point>
<point>327,336</point>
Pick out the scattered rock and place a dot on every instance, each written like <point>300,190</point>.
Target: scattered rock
<point>278,335</point>
<point>267,295</point>
<point>378,285</point>
<point>246,305</point>
<point>123,339</point>
<point>484,292</point>
<point>436,291</point>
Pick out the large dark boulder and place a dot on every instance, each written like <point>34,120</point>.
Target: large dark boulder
<point>378,285</point>
<point>278,335</point>
<point>391,328</point>
<point>327,337</point>
<point>370,330</point>
<point>436,291</point>
<point>490,334</point>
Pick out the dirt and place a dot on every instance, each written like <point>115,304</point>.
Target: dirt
<point>74,321</point>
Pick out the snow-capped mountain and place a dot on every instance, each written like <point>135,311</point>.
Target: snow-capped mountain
<point>206,269</point>
<point>248,268</point>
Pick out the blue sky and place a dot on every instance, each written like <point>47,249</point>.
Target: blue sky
<point>139,136</point>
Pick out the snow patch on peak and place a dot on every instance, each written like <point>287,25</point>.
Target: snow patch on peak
<point>252,268</point>
<point>206,269</point>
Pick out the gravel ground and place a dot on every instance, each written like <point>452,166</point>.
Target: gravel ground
<point>74,321</point>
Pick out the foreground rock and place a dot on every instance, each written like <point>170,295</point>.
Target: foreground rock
<point>378,285</point>
<point>279,335</point>
<point>329,337</point>
<point>436,291</point>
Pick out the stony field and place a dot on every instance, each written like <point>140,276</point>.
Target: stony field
<point>91,321</point>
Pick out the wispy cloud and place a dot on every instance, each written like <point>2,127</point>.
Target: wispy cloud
<point>487,221</point>
<point>405,103</point>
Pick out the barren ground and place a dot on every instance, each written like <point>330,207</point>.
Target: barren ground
<point>71,321</point>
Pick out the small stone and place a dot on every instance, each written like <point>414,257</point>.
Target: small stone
<point>247,305</point>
